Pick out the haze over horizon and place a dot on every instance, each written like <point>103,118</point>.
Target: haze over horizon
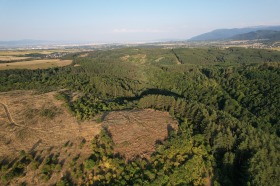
<point>128,21</point>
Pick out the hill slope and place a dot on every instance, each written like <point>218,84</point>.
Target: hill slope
<point>260,34</point>
<point>221,34</point>
<point>226,102</point>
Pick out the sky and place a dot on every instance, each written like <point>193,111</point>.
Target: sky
<point>116,21</point>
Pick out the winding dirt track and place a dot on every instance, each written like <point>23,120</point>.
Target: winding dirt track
<point>14,123</point>
<point>8,113</point>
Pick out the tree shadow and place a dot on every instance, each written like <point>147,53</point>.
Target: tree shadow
<point>153,91</point>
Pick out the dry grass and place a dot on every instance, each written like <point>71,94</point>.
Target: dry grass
<point>23,52</point>
<point>35,64</point>
<point>275,48</point>
<point>158,59</point>
<point>42,51</point>
<point>12,58</point>
<point>84,55</point>
<point>41,125</point>
<point>42,134</point>
<point>31,125</point>
<point>136,132</point>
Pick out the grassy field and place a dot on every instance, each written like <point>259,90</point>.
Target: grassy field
<point>23,52</point>
<point>16,59</point>
<point>12,58</point>
<point>276,48</point>
<point>35,64</point>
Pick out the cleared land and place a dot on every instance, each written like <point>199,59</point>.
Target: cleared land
<point>32,117</point>
<point>40,125</point>
<point>135,133</point>
<point>35,64</point>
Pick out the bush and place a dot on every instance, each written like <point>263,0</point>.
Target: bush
<point>89,164</point>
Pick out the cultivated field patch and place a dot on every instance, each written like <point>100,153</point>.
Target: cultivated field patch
<point>35,64</point>
<point>12,58</point>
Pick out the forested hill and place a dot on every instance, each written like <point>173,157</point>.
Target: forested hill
<point>227,102</point>
<point>225,34</point>
<point>260,34</point>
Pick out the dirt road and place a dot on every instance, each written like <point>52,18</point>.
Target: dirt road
<point>7,113</point>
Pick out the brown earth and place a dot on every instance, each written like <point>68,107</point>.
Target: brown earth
<point>40,125</point>
<point>135,133</point>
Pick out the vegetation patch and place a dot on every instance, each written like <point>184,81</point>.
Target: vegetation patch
<point>50,113</point>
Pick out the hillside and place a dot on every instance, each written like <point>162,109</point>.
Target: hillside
<point>222,34</point>
<point>259,34</point>
<point>37,130</point>
<point>222,103</point>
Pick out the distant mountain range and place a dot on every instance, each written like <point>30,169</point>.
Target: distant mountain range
<point>249,33</point>
<point>259,34</point>
<point>270,33</point>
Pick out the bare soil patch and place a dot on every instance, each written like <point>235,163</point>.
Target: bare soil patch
<point>37,117</point>
<point>135,133</point>
<point>39,124</point>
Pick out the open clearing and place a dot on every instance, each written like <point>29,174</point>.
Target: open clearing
<point>136,132</point>
<point>138,58</point>
<point>40,125</point>
<point>31,122</point>
<point>35,64</point>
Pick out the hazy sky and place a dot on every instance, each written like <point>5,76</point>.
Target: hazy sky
<point>129,20</point>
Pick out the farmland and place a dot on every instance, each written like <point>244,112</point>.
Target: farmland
<point>34,59</point>
<point>35,64</point>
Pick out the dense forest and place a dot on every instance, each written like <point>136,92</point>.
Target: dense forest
<point>226,101</point>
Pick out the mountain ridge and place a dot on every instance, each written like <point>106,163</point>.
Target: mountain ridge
<point>259,34</point>
<point>224,34</point>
